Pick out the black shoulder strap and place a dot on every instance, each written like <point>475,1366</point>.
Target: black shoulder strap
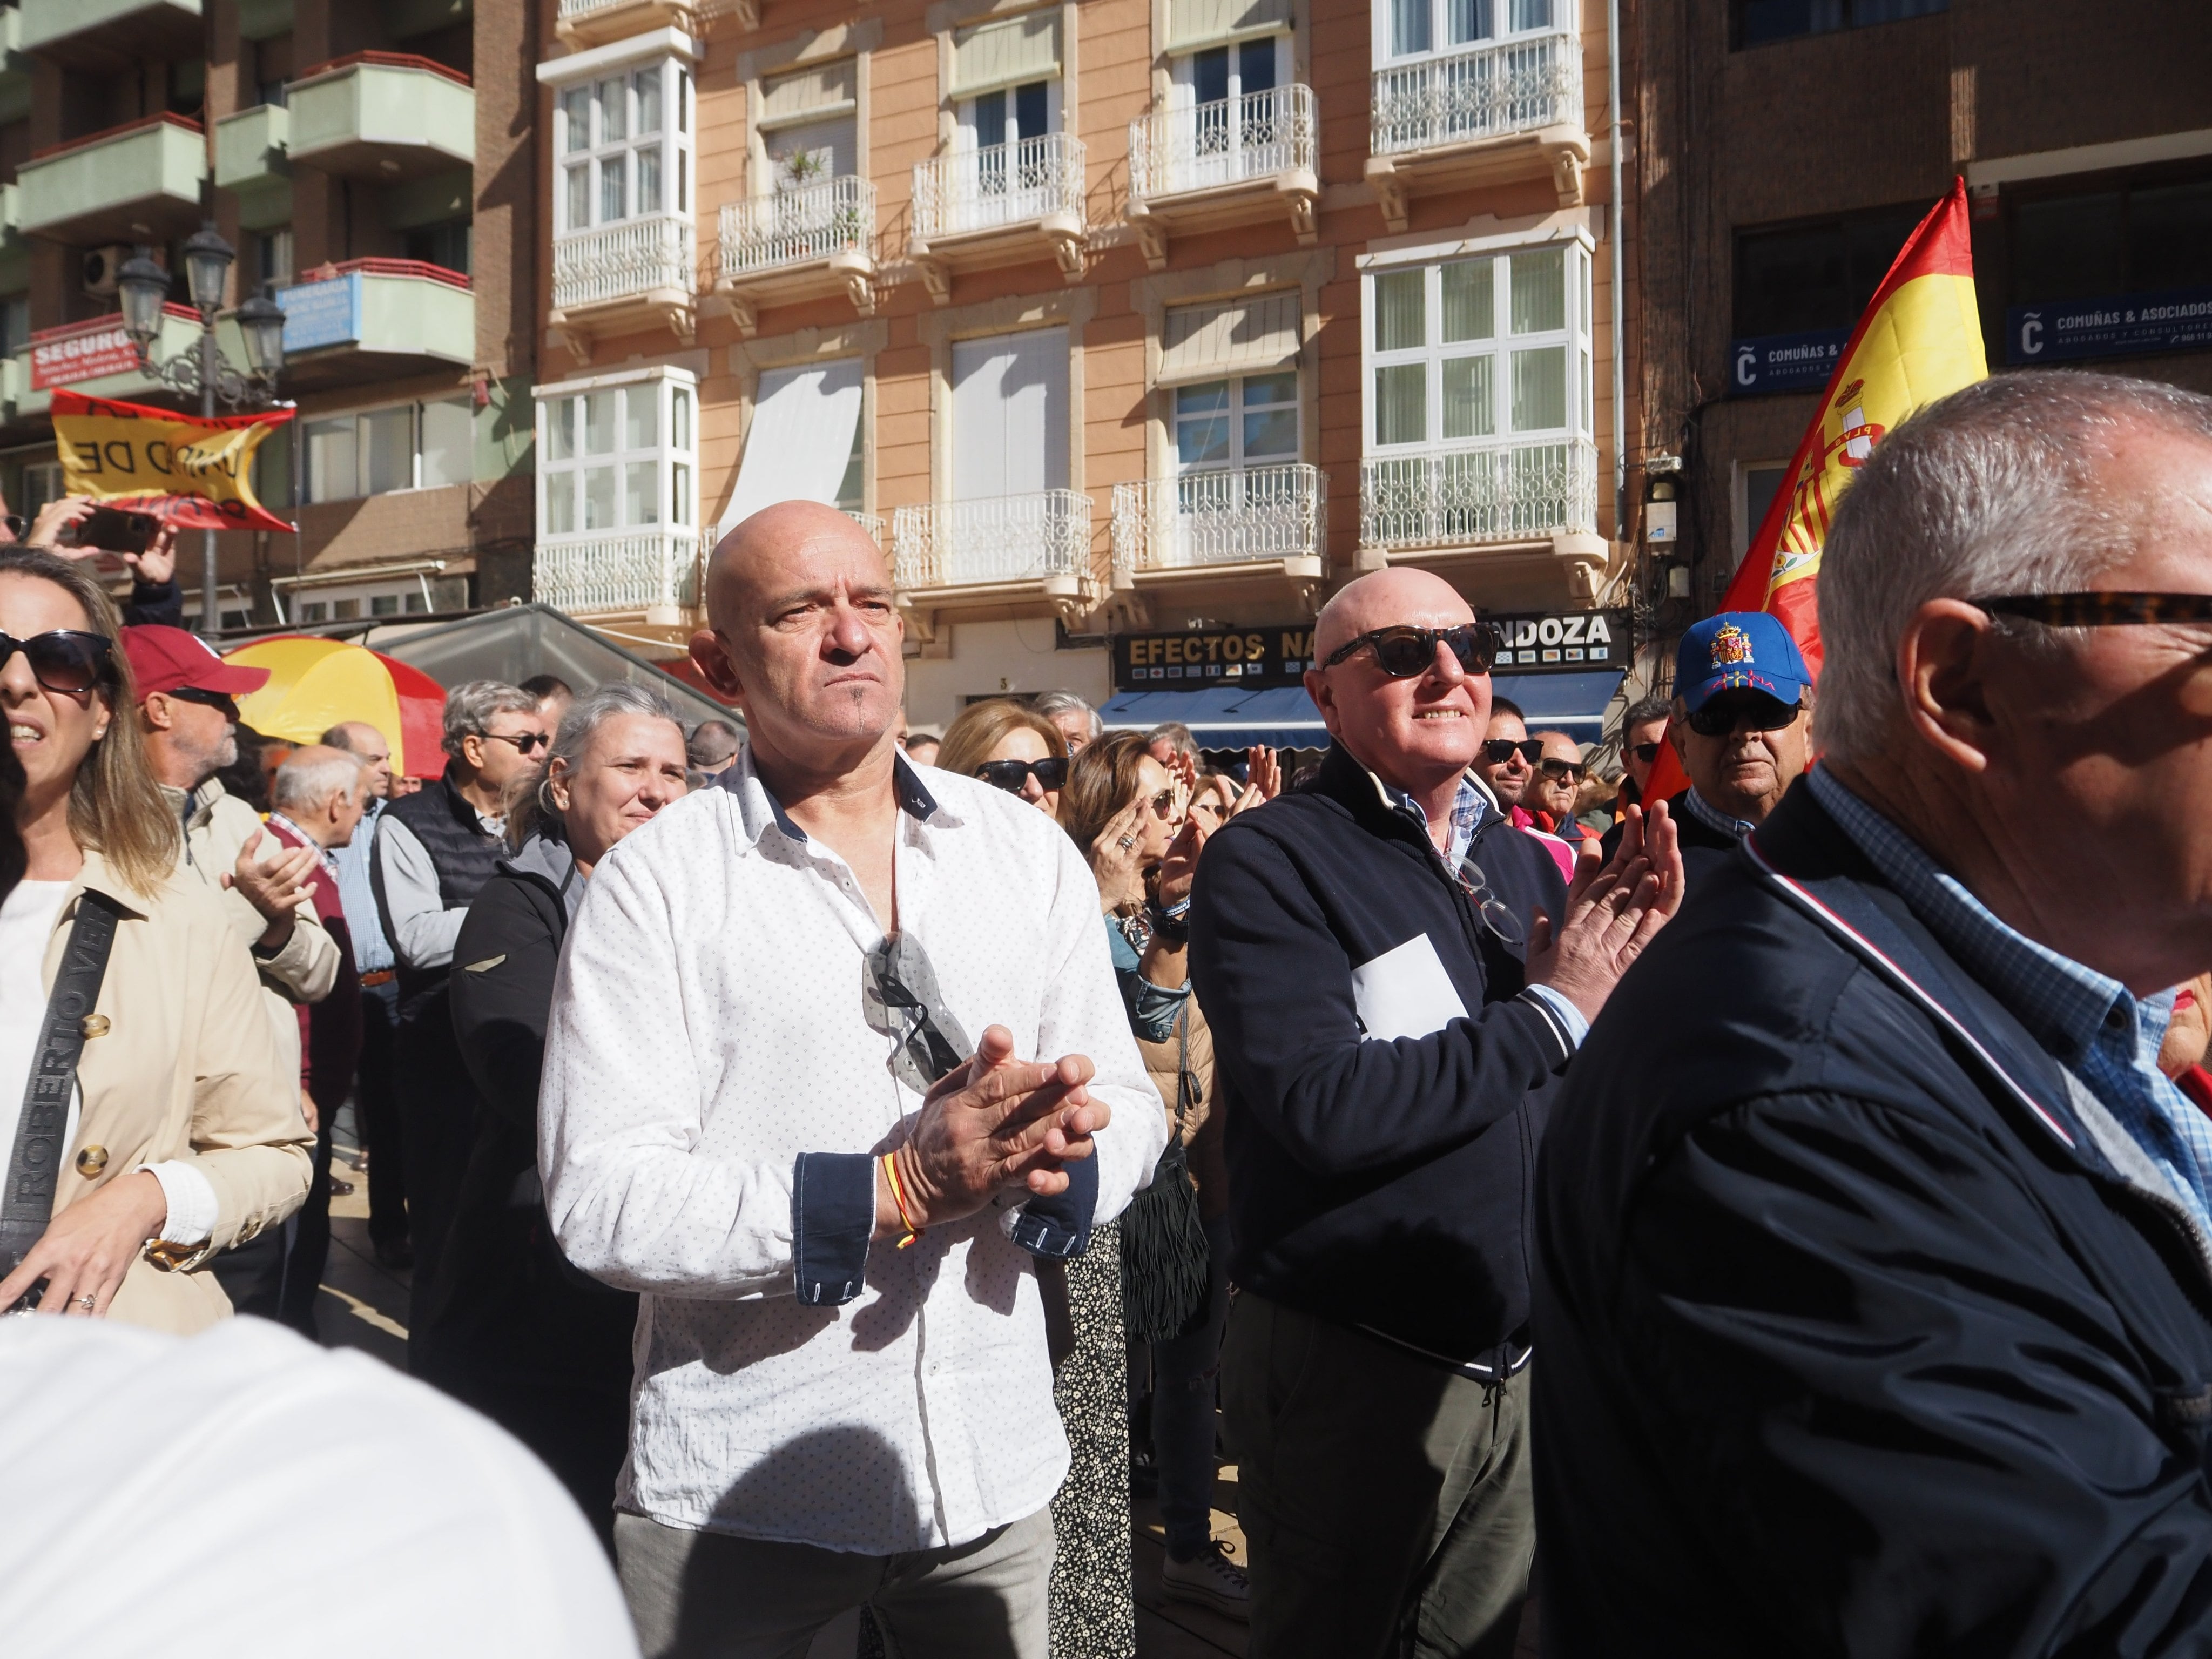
<point>27,1204</point>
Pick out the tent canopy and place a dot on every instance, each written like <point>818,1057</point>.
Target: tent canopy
<point>523,640</point>
<point>1283,717</point>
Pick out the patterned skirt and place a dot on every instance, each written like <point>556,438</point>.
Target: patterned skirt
<point>1093,1610</point>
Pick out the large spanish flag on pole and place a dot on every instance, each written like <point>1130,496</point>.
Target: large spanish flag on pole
<point>1919,338</point>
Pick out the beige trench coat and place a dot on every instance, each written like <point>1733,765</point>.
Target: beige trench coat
<point>186,1067</point>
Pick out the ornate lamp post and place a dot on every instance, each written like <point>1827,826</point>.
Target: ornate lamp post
<point>145,290</point>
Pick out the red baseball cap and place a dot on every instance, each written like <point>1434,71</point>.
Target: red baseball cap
<point>170,659</point>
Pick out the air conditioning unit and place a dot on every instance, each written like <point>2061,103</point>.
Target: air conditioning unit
<point>101,267</point>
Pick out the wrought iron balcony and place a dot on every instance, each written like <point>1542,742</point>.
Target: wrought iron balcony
<point>633,260</point>
<point>651,572</point>
<point>1489,114</point>
<point>1467,497</point>
<point>1235,140</point>
<point>1001,197</point>
<point>1002,542</point>
<point>1242,516</point>
<point>796,227</point>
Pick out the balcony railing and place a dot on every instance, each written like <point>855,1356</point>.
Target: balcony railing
<point>623,261</point>
<point>1467,497</point>
<point>1237,517</point>
<point>1489,91</point>
<point>701,10</point>
<point>1255,137</point>
<point>796,227</point>
<point>621,570</point>
<point>998,185</point>
<point>1004,538</point>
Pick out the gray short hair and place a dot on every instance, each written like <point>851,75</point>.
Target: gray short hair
<point>1053,704</point>
<point>531,808</point>
<point>469,707</point>
<point>306,781</point>
<point>1993,489</point>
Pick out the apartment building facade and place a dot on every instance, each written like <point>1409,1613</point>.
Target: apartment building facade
<point>1787,148</point>
<point>371,163</point>
<point>1131,328</point>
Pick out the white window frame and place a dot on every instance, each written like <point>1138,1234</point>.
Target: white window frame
<point>1501,29</point>
<point>673,453</point>
<point>1237,460</point>
<point>1575,336</point>
<point>846,113</point>
<point>673,145</point>
<point>971,136</point>
<point>1183,68</point>
<point>411,596</point>
<point>415,406</point>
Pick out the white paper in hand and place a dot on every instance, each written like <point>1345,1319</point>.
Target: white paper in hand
<point>1405,992</point>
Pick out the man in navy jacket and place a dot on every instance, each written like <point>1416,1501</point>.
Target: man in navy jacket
<point>1873,1284</point>
<point>1396,978</point>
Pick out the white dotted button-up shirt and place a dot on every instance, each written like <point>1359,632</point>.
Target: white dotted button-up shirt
<point>706,1031</point>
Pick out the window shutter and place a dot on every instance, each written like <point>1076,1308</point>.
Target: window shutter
<point>819,89</point>
<point>802,429</point>
<point>1010,415</point>
<point>1006,53</point>
<point>1241,336</point>
<point>1205,22</point>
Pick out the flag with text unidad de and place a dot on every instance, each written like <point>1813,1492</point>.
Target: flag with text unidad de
<point>1919,339</point>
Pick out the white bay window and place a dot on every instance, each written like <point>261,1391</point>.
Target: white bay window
<point>617,481</point>
<point>624,143</point>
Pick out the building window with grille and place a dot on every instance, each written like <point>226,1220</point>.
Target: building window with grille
<point>623,142</point>
<point>1406,30</point>
<point>1481,351</point>
<point>618,459</point>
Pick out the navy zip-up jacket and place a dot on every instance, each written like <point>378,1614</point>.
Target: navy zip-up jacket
<point>1376,1184</point>
<point>1865,1330</point>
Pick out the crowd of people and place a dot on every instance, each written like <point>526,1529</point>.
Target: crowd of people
<point>859,1162</point>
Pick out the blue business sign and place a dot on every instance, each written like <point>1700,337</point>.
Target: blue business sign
<point>2125,326</point>
<point>1785,363</point>
<point>324,313</point>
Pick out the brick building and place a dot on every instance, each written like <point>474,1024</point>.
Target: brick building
<point>1131,327</point>
<point>372,163</point>
<point>1787,148</point>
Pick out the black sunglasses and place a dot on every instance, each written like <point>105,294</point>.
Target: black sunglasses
<point>2100,610</point>
<point>1745,711</point>
<point>221,699</point>
<point>1402,653</point>
<point>1646,752</point>
<point>1498,751</point>
<point>1010,775</point>
<point>1555,769</point>
<point>66,659</point>
<point>524,742</point>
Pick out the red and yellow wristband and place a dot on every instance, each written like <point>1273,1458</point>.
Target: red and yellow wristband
<point>892,1180</point>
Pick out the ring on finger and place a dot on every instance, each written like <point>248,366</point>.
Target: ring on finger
<point>88,1302</point>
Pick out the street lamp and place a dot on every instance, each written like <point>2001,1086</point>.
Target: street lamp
<point>144,289</point>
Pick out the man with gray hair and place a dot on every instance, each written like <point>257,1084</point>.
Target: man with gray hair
<point>1873,1275</point>
<point>318,795</point>
<point>434,850</point>
<point>1077,720</point>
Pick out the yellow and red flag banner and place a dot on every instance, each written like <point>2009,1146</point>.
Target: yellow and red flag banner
<point>196,473</point>
<point>1919,339</point>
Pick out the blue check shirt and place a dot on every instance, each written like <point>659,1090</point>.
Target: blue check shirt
<point>2087,1022</point>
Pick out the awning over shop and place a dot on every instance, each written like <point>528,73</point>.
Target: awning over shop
<point>1572,703</point>
<point>1283,717</point>
<point>1224,717</point>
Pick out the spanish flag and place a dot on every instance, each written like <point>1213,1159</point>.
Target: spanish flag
<point>1919,339</point>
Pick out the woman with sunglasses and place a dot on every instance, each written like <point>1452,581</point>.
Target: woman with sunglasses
<point>1120,807</point>
<point>508,1326</point>
<point>182,1135</point>
<point>1009,747</point>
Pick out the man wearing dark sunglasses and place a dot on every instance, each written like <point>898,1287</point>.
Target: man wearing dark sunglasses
<point>1396,977</point>
<point>188,722</point>
<point>1743,730</point>
<point>1643,734</point>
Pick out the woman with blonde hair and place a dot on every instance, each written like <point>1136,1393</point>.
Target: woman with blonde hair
<point>160,1128</point>
<point>1009,746</point>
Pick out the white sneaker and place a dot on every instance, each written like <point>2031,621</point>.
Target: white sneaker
<point>1209,1578</point>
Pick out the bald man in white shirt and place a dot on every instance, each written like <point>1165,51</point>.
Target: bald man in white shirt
<point>761,1110</point>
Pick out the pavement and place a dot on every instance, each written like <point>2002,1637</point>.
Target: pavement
<point>364,1306</point>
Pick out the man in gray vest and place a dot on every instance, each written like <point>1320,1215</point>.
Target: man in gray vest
<point>434,849</point>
